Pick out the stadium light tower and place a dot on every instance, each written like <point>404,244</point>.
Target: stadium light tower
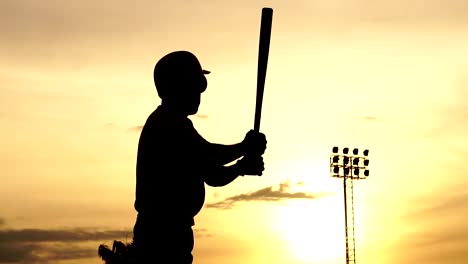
<point>349,167</point>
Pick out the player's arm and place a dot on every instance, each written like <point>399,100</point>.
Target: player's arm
<point>218,176</point>
<point>223,154</point>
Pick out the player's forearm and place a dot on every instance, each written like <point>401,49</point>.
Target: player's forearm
<point>222,175</point>
<point>224,154</point>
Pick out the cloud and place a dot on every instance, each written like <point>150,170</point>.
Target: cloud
<point>72,235</point>
<point>201,232</point>
<point>2,222</point>
<point>448,127</point>
<point>50,246</point>
<point>428,239</point>
<point>201,116</point>
<point>448,205</point>
<point>370,118</point>
<point>454,113</point>
<point>268,194</point>
<point>15,252</point>
<point>136,128</point>
<point>437,221</point>
<point>64,251</point>
<point>445,253</point>
<point>450,245</point>
<point>84,32</point>
<point>44,253</point>
<point>40,245</point>
<point>390,12</point>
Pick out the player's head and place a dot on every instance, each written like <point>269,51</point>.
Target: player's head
<point>177,73</point>
<point>179,78</point>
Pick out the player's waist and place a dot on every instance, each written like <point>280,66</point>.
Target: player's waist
<point>164,219</point>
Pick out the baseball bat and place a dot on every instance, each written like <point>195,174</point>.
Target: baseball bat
<point>263,51</point>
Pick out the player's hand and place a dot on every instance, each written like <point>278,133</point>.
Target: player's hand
<point>251,165</point>
<point>254,143</point>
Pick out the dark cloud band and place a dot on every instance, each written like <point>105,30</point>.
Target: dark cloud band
<point>269,194</point>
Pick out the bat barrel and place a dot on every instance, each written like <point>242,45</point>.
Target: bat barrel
<point>263,51</point>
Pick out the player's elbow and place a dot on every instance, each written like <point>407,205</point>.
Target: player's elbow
<point>217,177</point>
<point>215,180</point>
<point>214,183</point>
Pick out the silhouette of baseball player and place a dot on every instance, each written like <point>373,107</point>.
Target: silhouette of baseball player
<point>175,162</point>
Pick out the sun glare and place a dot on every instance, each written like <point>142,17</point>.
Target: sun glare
<point>313,229</point>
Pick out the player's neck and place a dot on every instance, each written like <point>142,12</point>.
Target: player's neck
<point>173,108</point>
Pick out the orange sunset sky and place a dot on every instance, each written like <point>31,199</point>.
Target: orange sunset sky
<point>390,76</point>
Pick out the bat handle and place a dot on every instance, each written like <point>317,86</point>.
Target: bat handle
<point>257,127</point>
<point>258,110</point>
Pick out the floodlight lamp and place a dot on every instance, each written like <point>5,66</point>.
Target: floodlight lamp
<point>366,173</point>
<point>345,150</point>
<point>346,171</point>
<point>355,151</point>
<point>366,162</point>
<point>356,172</point>
<point>335,149</point>
<point>345,160</point>
<point>336,169</point>
<point>356,161</point>
<point>366,152</point>
<point>336,159</point>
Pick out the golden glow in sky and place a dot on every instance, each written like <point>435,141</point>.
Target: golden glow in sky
<point>314,232</point>
<point>391,76</point>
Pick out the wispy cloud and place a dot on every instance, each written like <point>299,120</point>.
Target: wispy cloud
<point>44,246</point>
<point>268,194</point>
<point>136,129</point>
<point>201,116</point>
<point>50,246</point>
<point>449,204</point>
<point>72,235</point>
<point>450,245</point>
<point>369,118</point>
<point>441,224</point>
<point>16,253</point>
<point>201,232</point>
<point>451,122</point>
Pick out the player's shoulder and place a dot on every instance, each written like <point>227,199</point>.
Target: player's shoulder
<point>150,121</point>
<point>164,120</point>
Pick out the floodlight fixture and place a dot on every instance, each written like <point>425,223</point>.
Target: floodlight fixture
<point>345,150</point>
<point>336,169</point>
<point>366,162</point>
<point>356,172</point>
<point>366,173</point>
<point>355,151</point>
<point>346,171</point>
<point>356,161</point>
<point>345,160</point>
<point>336,159</point>
<point>335,149</point>
<point>366,152</point>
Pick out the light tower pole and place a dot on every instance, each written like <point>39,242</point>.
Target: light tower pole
<point>349,167</point>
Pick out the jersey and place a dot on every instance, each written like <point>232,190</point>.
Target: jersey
<point>169,182</point>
